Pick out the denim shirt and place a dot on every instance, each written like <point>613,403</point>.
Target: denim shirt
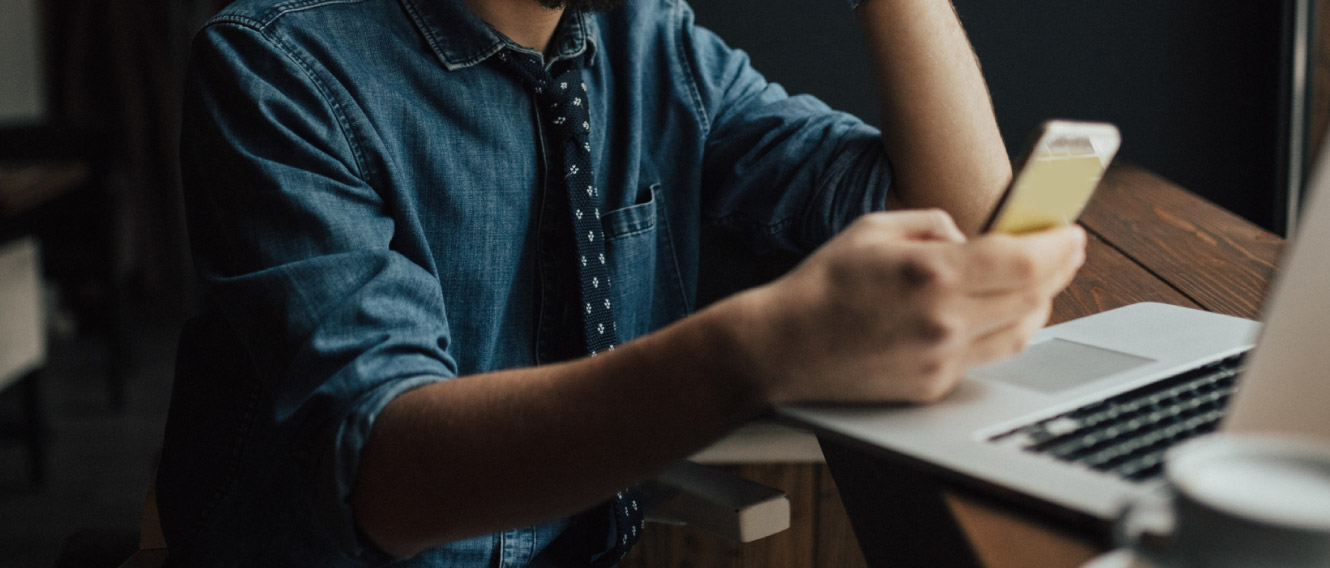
<point>369,213</point>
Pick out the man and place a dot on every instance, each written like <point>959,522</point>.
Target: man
<point>408,251</point>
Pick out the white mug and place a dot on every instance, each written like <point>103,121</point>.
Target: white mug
<point>1232,501</point>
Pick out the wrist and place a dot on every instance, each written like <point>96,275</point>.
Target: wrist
<point>732,341</point>
<point>753,343</point>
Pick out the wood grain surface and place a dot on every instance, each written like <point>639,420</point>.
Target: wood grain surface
<point>1214,258</point>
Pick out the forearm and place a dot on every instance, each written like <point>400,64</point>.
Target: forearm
<point>938,122</point>
<point>479,454</point>
<point>893,309</point>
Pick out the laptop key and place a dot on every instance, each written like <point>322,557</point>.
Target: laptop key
<point>1128,434</point>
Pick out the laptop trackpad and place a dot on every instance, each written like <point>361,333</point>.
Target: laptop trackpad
<point>1057,364</point>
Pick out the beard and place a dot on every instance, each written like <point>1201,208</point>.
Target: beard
<point>582,5</point>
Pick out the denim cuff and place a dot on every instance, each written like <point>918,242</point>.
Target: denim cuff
<point>335,481</point>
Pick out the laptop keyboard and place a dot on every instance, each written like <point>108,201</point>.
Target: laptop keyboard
<point>1127,434</point>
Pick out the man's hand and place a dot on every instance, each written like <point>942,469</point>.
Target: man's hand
<point>893,309</point>
<point>898,306</point>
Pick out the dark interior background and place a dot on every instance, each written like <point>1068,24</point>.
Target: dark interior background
<point>1194,85</point>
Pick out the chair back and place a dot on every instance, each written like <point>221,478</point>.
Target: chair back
<point>22,327</point>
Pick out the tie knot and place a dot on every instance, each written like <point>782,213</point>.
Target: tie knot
<point>530,71</point>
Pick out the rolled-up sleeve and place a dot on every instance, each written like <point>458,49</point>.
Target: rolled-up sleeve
<point>297,254</point>
<point>786,170</point>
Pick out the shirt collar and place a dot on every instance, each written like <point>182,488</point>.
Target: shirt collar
<point>461,39</point>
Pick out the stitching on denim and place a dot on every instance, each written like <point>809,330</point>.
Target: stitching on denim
<point>835,171</point>
<point>479,56</point>
<point>737,219</point>
<point>426,26</point>
<point>419,20</point>
<point>245,21</point>
<point>685,61</point>
<point>634,232</point>
<point>364,171</point>
<point>669,244</point>
<point>580,26</point>
<point>308,4</point>
<point>543,265</point>
<point>614,234</point>
<point>276,12</point>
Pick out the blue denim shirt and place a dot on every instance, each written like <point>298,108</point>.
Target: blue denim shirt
<point>368,208</point>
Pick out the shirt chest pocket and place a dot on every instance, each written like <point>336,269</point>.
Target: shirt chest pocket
<point>644,277</point>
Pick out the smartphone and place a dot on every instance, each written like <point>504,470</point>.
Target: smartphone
<point>1055,176</point>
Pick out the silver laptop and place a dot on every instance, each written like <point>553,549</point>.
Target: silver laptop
<point>1081,419</point>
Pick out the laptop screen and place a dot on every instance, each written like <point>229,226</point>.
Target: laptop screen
<point>1287,385</point>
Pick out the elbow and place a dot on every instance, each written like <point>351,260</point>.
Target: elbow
<point>383,526</point>
<point>969,199</point>
<point>386,507</point>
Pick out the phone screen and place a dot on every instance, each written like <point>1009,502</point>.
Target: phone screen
<point>1054,184</point>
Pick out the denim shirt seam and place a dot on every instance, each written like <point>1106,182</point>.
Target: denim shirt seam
<point>684,59</point>
<point>302,5</point>
<point>824,187</point>
<point>237,19</point>
<point>738,218</point>
<point>827,228</point>
<point>270,16</point>
<point>674,256</point>
<point>584,28</point>
<point>630,233</point>
<point>428,29</point>
<point>363,171</point>
<point>543,263</point>
<point>477,58</point>
<point>264,31</point>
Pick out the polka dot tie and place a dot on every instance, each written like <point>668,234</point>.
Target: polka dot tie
<point>562,103</point>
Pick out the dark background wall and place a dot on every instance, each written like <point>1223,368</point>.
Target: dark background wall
<point>1194,85</point>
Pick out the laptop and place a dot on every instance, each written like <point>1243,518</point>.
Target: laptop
<point>1082,418</point>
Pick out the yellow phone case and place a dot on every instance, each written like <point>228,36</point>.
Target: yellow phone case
<point>1056,180</point>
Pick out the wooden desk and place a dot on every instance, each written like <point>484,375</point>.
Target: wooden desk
<point>1149,241</point>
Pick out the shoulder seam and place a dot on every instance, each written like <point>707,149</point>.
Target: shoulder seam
<point>686,61</point>
<point>271,15</point>
<point>339,114</point>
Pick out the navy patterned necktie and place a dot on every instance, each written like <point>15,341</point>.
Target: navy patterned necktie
<point>562,103</point>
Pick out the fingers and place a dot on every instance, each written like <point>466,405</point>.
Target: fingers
<point>993,312</point>
<point>905,297</point>
<point>992,283</point>
<point>1010,283</point>
<point>1003,263</point>
<point>1008,340</point>
<point>1014,289</point>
